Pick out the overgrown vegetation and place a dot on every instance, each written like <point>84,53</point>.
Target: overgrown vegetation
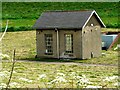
<point>23,15</point>
<point>39,75</point>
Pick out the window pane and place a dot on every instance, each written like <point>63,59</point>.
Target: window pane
<point>48,43</point>
<point>69,43</point>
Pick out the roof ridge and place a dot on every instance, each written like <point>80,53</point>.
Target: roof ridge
<point>69,10</point>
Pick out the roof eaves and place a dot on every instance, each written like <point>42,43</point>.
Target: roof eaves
<point>47,11</point>
<point>34,27</point>
<point>100,19</point>
<point>59,28</point>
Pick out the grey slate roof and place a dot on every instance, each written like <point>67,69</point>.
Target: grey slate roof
<point>62,19</point>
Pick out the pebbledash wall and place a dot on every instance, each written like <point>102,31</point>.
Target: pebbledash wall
<point>77,50</point>
<point>91,42</point>
<point>86,42</point>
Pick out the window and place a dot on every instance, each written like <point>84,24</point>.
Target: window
<point>49,44</point>
<point>68,43</point>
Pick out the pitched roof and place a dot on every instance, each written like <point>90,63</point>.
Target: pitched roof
<point>64,19</point>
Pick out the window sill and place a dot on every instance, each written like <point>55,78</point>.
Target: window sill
<point>70,54</point>
<point>48,53</point>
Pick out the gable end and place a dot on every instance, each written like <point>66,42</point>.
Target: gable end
<point>97,17</point>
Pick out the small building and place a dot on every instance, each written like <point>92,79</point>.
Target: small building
<point>68,34</point>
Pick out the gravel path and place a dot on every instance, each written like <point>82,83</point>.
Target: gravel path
<point>64,63</point>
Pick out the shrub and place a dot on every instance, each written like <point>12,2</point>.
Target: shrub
<point>21,28</point>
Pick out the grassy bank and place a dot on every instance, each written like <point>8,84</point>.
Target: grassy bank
<point>32,10</point>
<point>18,24</point>
<point>22,15</point>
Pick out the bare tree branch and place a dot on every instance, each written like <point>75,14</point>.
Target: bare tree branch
<point>11,70</point>
<point>4,31</point>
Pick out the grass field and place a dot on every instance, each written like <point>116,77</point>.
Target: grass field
<point>32,10</point>
<point>19,24</point>
<point>35,74</point>
<point>22,15</point>
<point>23,41</point>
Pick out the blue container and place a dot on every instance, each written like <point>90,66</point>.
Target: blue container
<point>108,39</point>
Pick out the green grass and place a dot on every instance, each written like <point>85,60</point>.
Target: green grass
<point>32,70</point>
<point>24,14</point>
<point>19,22</point>
<point>110,58</point>
<point>32,10</point>
<point>25,44</point>
<point>109,29</point>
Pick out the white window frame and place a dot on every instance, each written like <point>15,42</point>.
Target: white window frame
<point>68,43</point>
<point>49,44</point>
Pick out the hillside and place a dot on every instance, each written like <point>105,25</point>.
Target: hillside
<point>22,15</point>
